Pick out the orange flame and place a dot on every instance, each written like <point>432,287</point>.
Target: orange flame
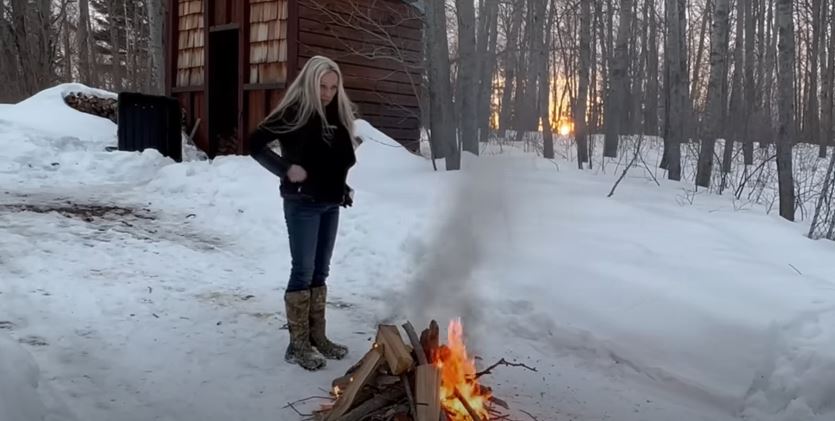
<point>458,371</point>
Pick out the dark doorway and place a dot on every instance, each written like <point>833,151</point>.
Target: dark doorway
<point>223,92</point>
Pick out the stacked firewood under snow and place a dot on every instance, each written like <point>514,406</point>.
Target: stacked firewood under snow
<point>424,381</point>
<point>91,104</point>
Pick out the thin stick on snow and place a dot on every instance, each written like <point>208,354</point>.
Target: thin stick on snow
<point>529,414</point>
<point>502,362</point>
<point>292,406</point>
<point>631,163</point>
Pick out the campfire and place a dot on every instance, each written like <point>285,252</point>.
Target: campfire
<point>423,381</point>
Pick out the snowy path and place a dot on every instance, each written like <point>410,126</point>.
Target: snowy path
<point>136,310</point>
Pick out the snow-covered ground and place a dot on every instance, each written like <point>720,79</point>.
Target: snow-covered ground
<point>136,288</point>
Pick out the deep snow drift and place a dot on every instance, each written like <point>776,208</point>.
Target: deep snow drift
<point>135,288</point>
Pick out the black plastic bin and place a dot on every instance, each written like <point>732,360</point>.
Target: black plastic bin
<point>150,121</point>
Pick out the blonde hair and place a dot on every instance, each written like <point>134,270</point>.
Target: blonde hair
<point>304,94</point>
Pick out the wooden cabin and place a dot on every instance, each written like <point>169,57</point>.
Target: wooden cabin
<point>229,62</point>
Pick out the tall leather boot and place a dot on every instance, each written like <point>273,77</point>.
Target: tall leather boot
<point>299,351</point>
<point>318,303</point>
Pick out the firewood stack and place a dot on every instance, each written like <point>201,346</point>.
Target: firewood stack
<point>393,382</point>
<point>91,104</point>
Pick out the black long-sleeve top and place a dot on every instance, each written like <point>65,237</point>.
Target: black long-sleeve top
<point>325,156</point>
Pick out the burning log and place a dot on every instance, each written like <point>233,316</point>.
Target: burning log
<point>91,104</point>
<point>428,393</point>
<point>359,379</point>
<point>398,356</point>
<point>425,382</point>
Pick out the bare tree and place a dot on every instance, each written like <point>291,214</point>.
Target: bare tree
<point>616,101</point>
<point>467,72</point>
<point>750,95</point>
<point>811,117</point>
<point>712,126</point>
<point>156,54</point>
<point>85,65</point>
<point>650,126</point>
<point>511,60</point>
<point>823,221</point>
<point>544,23</point>
<point>486,46</point>
<point>675,92</point>
<point>580,109</point>
<point>785,105</point>
<point>734,127</point>
<point>442,117</point>
<point>827,84</point>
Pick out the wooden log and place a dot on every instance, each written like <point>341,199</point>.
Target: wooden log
<point>379,401</point>
<point>341,383</point>
<point>368,368</point>
<point>428,393</point>
<point>467,405</point>
<point>408,386</point>
<point>398,356</point>
<point>430,340</point>
<point>385,381</point>
<point>499,402</point>
<point>410,331</point>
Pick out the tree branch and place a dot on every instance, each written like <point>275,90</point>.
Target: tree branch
<point>504,362</point>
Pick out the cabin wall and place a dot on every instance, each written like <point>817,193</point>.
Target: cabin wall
<point>378,45</point>
<point>191,41</point>
<point>225,12</point>
<point>186,63</point>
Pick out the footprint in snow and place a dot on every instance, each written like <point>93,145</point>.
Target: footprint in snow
<point>33,340</point>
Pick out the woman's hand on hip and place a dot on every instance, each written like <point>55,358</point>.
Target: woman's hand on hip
<point>296,173</point>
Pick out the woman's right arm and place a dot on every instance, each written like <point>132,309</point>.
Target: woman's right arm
<point>269,159</point>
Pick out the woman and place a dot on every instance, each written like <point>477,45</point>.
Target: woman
<point>313,125</point>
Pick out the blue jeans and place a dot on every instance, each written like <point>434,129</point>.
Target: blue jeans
<point>312,231</point>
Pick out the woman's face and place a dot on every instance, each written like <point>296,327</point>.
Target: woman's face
<point>327,87</point>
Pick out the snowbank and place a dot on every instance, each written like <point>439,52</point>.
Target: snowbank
<point>22,397</point>
<point>47,113</point>
<point>49,144</point>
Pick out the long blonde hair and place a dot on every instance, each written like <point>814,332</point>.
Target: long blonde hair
<point>304,94</point>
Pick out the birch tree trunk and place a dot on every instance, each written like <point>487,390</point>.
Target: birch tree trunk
<point>786,107</point>
<point>715,92</point>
